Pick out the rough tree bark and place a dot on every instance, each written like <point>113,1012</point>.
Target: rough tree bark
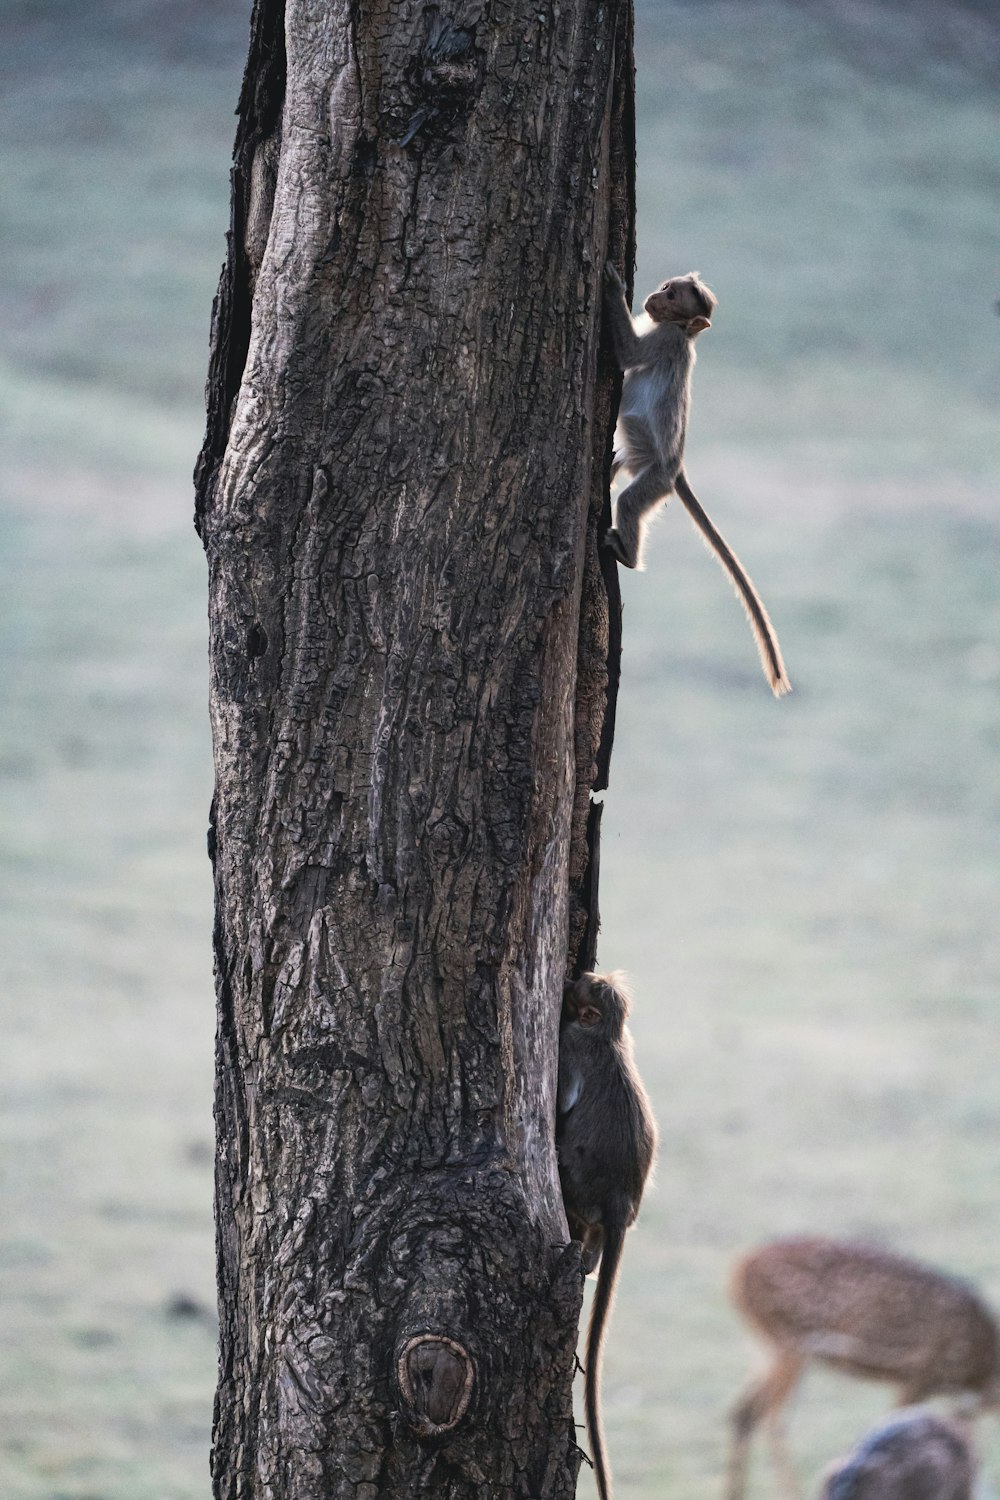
<point>414,648</point>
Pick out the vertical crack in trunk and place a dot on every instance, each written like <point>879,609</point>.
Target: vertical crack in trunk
<point>251,197</point>
<point>600,641</point>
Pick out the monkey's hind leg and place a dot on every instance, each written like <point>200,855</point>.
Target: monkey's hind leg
<point>638,498</point>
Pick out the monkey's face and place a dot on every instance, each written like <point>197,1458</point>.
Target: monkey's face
<point>584,1013</point>
<point>682,299</point>
<point>594,1004</point>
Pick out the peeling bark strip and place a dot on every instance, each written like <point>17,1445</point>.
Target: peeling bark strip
<point>403,475</point>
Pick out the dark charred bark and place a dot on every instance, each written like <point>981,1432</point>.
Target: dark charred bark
<point>414,646</point>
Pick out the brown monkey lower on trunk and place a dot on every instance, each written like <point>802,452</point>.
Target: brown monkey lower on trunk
<point>606,1138</point>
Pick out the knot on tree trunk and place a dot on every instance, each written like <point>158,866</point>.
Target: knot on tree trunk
<point>445,77</point>
<point>436,1376</point>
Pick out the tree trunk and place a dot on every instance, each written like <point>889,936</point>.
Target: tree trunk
<point>413,666</point>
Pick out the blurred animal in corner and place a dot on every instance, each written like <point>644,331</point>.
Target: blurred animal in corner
<point>913,1455</point>
<point>866,1311</point>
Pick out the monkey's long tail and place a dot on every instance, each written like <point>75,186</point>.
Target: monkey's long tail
<point>615,1222</point>
<point>760,624</point>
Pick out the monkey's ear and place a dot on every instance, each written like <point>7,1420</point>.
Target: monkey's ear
<point>697,325</point>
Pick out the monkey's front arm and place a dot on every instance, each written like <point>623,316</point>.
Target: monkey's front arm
<point>570,1087</point>
<point>626,341</point>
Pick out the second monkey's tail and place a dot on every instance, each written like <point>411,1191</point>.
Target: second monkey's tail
<point>615,1222</point>
<point>760,624</point>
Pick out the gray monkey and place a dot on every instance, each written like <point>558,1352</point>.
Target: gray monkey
<point>606,1140</point>
<point>657,354</point>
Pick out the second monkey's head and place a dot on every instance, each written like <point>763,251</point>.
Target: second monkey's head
<point>597,1003</point>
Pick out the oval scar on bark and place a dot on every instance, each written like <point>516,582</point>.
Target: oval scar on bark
<point>256,640</point>
<point>435,1377</point>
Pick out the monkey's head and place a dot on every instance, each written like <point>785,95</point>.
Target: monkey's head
<point>682,299</point>
<point>597,1003</point>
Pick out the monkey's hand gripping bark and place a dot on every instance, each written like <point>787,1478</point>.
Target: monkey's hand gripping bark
<point>657,354</point>
<point>606,1138</point>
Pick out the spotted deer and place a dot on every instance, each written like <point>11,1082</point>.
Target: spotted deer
<point>862,1310</point>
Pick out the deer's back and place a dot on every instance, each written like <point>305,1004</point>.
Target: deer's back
<point>870,1311</point>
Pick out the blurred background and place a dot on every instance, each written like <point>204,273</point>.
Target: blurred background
<point>805,892</point>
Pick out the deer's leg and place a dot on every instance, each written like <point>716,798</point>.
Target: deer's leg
<point>764,1401</point>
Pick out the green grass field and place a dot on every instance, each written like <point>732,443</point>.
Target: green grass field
<point>805,892</point>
